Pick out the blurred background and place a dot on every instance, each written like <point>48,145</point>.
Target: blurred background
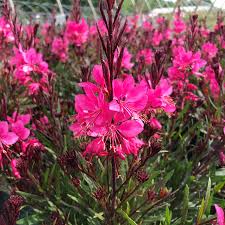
<point>41,10</point>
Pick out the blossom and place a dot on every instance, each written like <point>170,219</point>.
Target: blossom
<point>129,98</point>
<point>122,138</point>
<point>60,48</point>
<point>157,38</point>
<point>45,32</point>
<point>146,55</point>
<point>210,78</point>
<point>17,125</point>
<point>126,60</point>
<point>93,114</point>
<point>6,137</point>
<point>5,30</point>
<point>25,118</point>
<point>220,215</point>
<point>185,63</point>
<point>101,26</point>
<point>147,26</point>
<point>15,171</point>
<point>154,123</point>
<point>31,147</point>
<point>29,61</point>
<point>30,70</point>
<point>99,85</point>
<point>160,96</point>
<point>210,49</point>
<point>20,130</point>
<point>178,24</point>
<point>77,33</point>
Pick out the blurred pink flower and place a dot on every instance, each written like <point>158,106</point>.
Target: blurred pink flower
<point>157,38</point>
<point>210,49</point>
<point>126,60</point>
<point>154,123</point>
<point>77,33</point>
<point>60,48</point>
<point>5,30</point>
<point>15,171</point>
<point>146,55</point>
<point>213,84</point>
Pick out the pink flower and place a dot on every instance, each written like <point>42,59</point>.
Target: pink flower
<point>220,215</point>
<point>5,30</point>
<point>185,63</point>
<point>178,24</point>
<point>44,120</point>
<point>157,38</point>
<point>20,130</point>
<point>116,122</point>
<point>126,60</point>
<point>160,20</point>
<point>129,98</point>
<point>101,26</point>
<point>147,55</point>
<point>97,75</point>
<point>77,33</point>
<point>28,61</point>
<point>222,158</point>
<point>31,146</point>
<point>154,123</point>
<point>34,88</point>
<point>160,96</point>
<point>25,118</point>
<point>60,48</point>
<point>210,49</point>
<point>15,171</point>
<point>213,84</point>
<point>204,32</point>
<point>122,137</point>
<point>96,148</point>
<point>17,124</point>
<point>6,137</point>
<point>93,113</point>
<point>30,70</point>
<point>147,26</point>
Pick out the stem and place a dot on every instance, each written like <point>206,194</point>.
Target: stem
<point>113,185</point>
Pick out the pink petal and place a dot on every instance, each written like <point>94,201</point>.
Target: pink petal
<point>114,106</point>
<point>21,131</point>
<point>14,169</point>
<point>220,215</point>
<point>9,139</point>
<point>98,75</point>
<point>130,128</point>
<point>96,147</point>
<point>4,127</point>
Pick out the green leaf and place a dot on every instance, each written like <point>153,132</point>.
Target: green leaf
<point>201,211</point>
<point>184,211</point>
<point>99,216</point>
<point>31,196</point>
<point>208,192</point>
<point>126,217</point>
<point>219,186</point>
<point>168,216</point>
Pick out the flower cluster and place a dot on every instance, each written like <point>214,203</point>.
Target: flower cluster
<point>16,141</point>
<point>116,124</point>
<point>30,70</point>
